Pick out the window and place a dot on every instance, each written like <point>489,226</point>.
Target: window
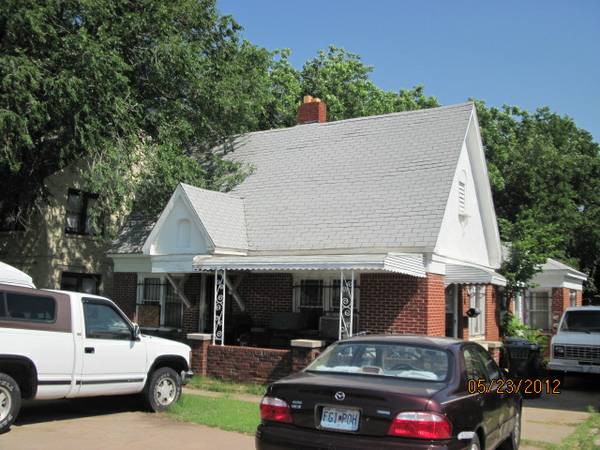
<point>80,282</point>
<point>102,321</point>
<point>573,297</point>
<point>538,310</point>
<point>384,359</point>
<point>477,300</point>
<point>158,305</point>
<point>32,308</point>
<point>474,365</point>
<point>311,294</point>
<point>491,368</point>
<point>80,220</point>
<point>322,292</point>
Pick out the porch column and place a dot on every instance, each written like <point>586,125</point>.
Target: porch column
<point>218,336</point>
<point>346,305</point>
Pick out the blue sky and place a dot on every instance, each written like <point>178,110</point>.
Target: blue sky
<point>529,53</point>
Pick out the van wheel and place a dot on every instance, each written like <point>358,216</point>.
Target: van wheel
<point>163,389</point>
<point>10,401</point>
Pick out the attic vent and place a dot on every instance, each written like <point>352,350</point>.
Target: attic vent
<point>462,201</point>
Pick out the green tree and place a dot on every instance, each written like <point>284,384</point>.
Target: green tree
<point>132,91</point>
<point>545,176</point>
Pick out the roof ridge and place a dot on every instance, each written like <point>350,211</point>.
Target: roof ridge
<point>227,194</point>
<point>354,119</point>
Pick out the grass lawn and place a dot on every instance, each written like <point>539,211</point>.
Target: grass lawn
<point>585,437</point>
<point>229,387</point>
<point>219,412</point>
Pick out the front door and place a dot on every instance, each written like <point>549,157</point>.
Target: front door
<point>113,362</point>
<point>452,311</point>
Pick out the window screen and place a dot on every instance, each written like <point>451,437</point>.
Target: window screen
<point>32,308</point>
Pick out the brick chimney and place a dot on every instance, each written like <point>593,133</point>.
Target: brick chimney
<point>312,110</point>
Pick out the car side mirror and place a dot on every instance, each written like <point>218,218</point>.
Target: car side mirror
<point>136,332</point>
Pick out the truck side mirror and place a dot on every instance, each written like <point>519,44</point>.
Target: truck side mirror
<point>136,332</point>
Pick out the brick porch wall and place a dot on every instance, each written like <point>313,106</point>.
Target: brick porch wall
<point>396,303</point>
<point>248,364</point>
<point>125,292</point>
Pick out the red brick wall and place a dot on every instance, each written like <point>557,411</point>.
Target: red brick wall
<point>192,290</point>
<point>248,364</point>
<point>579,298</point>
<point>492,313</point>
<point>396,303</point>
<point>436,305</point>
<point>264,294</point>
<point>125,292</point>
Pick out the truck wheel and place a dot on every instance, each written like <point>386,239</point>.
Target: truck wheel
<point>10,402</point>
<point>163,389</point>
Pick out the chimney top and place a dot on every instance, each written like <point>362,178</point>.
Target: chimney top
<point>312,110</point>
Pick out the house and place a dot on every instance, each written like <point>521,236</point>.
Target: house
<point>62,248</point>
<point>555,288</point>
<point>381,224</point>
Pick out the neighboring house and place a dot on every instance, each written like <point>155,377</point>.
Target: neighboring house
<point>555,288</point>
<point>62,249</point>
<point>383,224</point>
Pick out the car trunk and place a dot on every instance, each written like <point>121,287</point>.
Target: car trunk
<point>376,398</point>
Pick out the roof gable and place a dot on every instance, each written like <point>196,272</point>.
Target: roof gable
<point>198,221</point>
<point>378,182</point>
<point>469,229</point>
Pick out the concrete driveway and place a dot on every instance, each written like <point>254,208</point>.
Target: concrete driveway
<point>118,423</point>
<point>551,418</point>
<point>111,423</point>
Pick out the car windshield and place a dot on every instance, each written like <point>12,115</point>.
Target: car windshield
<point>384,359</point>
<point>581,321</point>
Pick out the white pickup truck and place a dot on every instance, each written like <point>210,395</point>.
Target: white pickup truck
<point>58,344</point>
<point>576,345</point>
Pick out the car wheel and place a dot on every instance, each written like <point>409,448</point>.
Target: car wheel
<point>10,401</point>
<point>475,444</point>
<point>163,389</point>
<point>515,436</point>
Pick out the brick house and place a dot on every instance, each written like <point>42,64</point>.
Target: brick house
<point>380,224</point>
<point>554,289</point>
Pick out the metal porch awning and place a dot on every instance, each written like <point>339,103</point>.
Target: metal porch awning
<point>463,274</point>
<point>405,263</point>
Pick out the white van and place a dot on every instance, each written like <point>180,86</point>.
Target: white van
<point>576,347</point>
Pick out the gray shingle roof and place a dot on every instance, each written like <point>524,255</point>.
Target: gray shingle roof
<point>133,234</point>
<point>373,182</point>
<point>221,214</point>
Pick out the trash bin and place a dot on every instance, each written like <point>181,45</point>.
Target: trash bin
<point>524,360</point>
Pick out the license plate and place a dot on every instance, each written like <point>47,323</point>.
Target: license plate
<point>340,419</point>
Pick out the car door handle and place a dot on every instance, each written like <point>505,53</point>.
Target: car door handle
<point>90,350</point>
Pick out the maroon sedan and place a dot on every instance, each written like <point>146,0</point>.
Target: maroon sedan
<point>391,392</point>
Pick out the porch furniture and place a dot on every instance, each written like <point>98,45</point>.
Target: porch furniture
<point>284,327</point>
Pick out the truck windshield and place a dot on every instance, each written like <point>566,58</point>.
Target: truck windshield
<point>581,321</point>
<point>389,360</point>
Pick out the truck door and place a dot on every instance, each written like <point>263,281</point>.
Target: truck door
<point>113,362</point>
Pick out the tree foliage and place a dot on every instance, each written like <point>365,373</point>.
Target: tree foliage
<point>135,91</point>
<point>135,94</point>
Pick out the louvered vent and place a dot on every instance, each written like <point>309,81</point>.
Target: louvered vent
<point>462,197</point>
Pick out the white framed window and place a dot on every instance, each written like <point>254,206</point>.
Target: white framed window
<point>320,291</point>
<point>477,300</point>
<point>538,313</point>
<point>158,305</point>
<point>573,297</point>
